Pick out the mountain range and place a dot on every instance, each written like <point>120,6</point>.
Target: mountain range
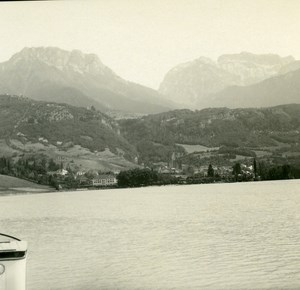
<point>72,77</point>
<point>63,102</point>
<point>234,80</point>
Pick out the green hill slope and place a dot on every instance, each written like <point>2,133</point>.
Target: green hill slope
<point>216,127</point>
<point>274,129</point>
<point>10,184</point>
<point>61,130</point>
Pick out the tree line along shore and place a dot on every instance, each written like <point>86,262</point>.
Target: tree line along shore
<point>46,172</point>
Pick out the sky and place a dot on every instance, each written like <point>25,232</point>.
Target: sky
<point>141,40</point>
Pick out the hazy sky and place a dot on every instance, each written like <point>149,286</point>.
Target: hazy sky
<point>142,39</point>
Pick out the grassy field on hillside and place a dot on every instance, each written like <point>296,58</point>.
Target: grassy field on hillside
<point>9,184</point>
<point>197,148</point>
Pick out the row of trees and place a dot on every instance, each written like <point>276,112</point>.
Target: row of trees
<point>259,171</point>
<point>278,172</point>
<point>144,177</point>
<point>31,168</point>
<point>36,169</point>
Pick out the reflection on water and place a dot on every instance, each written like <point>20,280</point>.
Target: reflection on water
<point>220,236</point>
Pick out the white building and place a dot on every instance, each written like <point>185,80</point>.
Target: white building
<point>104,180</point>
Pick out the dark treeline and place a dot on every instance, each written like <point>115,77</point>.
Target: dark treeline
<point>261,171</point>
<point>144,177</point>
<point>278,172</point>
<point>265,171</point>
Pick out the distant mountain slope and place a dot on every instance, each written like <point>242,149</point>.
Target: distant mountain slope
<point>193,83</point>
<point>252,68</point>
<point>37,127</point>
<point>282,89</point>
<point>53,74</point>
<point>292,66</point>
<point>190,83</point>
<point>217,127</point>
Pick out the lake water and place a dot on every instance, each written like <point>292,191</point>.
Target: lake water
<point>217,236</point>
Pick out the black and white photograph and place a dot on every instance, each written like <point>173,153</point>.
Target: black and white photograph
<point>150,145</point>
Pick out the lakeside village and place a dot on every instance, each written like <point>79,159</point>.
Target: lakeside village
<point>62,177</point>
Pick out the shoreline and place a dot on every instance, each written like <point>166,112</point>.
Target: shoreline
<point>20,190</point>
<point>29,191</point>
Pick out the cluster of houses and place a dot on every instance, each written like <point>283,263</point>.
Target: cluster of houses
<point>181,171</point>
<point>164,168</point>
<point>97,180</point>
<point>202,171</point>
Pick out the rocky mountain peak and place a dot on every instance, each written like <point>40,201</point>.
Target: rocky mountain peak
<point>252,68</point>
<point>72,77</point>
<point>194,82</point>
<point>63,60</point>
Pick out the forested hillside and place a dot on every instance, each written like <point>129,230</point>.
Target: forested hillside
<point>230,133</point>
<point>29,126</point>
<point>218,126</point>
<point>90,139</point>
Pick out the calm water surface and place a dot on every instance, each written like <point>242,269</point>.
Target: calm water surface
<point>220,236</point>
